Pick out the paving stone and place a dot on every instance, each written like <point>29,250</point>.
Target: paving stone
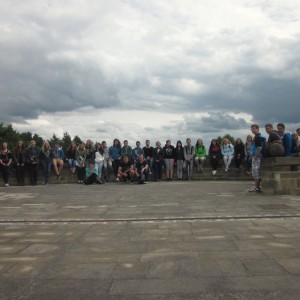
<point>264,267</point>
<point>165,286</point>
<point>184,268</point>
<point>192,246</point>
<point>231,255</point>
<point>167,256</point>
<point>43,248</point>
<point>232,268</point>
<point>282,253</point>
<point>11,248</point>
<point>70,289</point>
<point>204,251</point>
<point>79,271</point>
<point>292,265</point>
<point>130,270</point>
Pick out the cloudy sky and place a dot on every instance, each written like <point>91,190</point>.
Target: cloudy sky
<point>155,69</point>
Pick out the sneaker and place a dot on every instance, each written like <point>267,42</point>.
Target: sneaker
<point>117,179</point>
<point>214,172</point>
<point>255,190</point>
<point>6,185</point>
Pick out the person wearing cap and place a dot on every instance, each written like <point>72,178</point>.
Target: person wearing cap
<point>58,160</point>
<point>91,173</point>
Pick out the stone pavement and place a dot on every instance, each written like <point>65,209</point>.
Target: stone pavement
<point>166,240</point>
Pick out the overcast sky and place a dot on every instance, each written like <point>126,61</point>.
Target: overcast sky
<point>155,69</point>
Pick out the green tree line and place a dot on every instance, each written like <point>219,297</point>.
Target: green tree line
<point>11,136</point>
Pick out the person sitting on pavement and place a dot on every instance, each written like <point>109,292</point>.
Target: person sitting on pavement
<point>126,171</point>
<point>142,170</point>
<point>91,173</point>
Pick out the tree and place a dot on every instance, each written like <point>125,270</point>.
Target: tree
<point>227,136</point>
<point>39,141</point>
<point>77,140</point>
<point>54,140</point>
<point>66,141</point>
<point>8,135</point>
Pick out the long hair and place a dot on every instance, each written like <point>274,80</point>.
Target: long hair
<point>22,148</point>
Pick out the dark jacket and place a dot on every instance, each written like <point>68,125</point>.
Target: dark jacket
<point>158,155</point>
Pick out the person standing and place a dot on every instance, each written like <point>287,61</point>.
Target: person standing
<point>247,149</point>
<point>126,150</point>
<point>179,156</point>
<point>158,156</point>
<point>256,154</point>
<point>19,160</point>
<point>169,158</point>
<point>81,162</point>
<point>148,154</point>
<point>115,156</point>
<point>189,153</point>
<point>32,160</point>
<point>45,158</point>
<point>107,164</point>
<point>136,152</point>
<point>6,160</point>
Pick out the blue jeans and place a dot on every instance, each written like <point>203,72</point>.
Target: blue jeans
<point>72,163</point>
<point>46,171</point>
<point>157,168</point>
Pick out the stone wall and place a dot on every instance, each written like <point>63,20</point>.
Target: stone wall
<point>281,175</point>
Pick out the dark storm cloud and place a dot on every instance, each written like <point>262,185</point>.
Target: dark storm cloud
<point>31,83</point>
<point>181,58</point>
<point>214,122</point>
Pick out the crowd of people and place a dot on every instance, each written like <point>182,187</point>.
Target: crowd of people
<point>92,164</point>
